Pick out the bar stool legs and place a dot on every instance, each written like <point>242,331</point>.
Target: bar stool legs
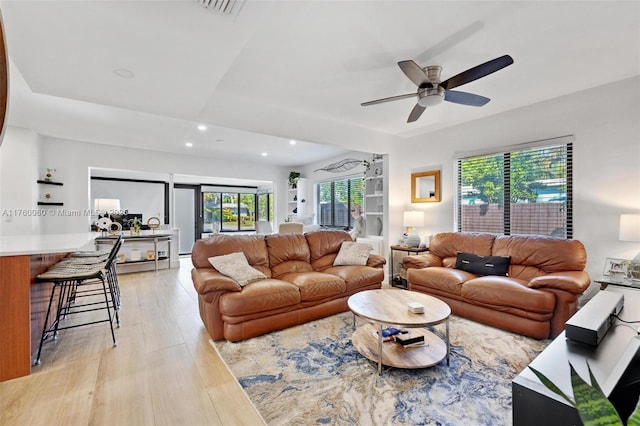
<point>68,305</point>
<point>78,278</point>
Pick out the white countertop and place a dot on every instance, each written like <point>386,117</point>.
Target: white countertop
<point>18,245</point>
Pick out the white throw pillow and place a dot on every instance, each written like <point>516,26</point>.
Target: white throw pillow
<point>352,253</point>
<point>235,266</point>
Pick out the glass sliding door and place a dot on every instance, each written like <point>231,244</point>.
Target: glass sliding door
<point>247,212</point>
<point>226,211</point>
<point>211,213</point>
<point>265,206</point>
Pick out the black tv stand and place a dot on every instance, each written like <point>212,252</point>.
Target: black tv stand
<point>612,362</point>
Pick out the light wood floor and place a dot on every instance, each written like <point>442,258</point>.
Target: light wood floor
<point>163,372</point>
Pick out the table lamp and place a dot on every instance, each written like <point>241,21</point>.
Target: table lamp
<point>411,220</point>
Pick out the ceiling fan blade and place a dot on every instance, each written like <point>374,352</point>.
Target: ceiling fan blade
<point>465,98</point>
<point>416,112</point>
<point>415,73</point>
<point>392,98</point>
<point>477,72</point>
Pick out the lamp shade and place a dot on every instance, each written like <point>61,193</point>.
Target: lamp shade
<point>629,227</point>
<point>413,218</point>
<point>106,204</point>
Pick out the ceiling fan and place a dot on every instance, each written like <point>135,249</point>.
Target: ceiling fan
<point>432,91</point>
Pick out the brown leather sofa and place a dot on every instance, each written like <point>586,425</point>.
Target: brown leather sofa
<point>545,279</point>
<point>301,285</point>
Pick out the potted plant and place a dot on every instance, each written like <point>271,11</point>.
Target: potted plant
<point>135,226</point>
<point>293,179</point>
<point>593,406</point>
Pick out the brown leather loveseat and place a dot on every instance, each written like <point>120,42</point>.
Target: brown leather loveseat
<point>544,278</point>
<point>300,281</point>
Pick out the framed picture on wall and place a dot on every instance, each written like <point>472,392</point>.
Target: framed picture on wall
<point>425,187</point>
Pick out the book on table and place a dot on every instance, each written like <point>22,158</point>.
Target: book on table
<point>411,338</point>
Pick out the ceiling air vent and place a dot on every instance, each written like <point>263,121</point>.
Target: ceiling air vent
<point>224,7</point>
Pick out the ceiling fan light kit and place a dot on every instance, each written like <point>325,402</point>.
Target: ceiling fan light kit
<point>430,96</point>
<point>431,91</point>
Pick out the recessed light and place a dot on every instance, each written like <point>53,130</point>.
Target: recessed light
<point>188,144</point>
<point>292,142</point>
<point>124,73</point>
<point>264,154</point>
<point>202,127</point>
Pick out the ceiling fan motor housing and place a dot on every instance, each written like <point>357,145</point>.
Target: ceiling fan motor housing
<point>430,96</point>
<point>433,73</point>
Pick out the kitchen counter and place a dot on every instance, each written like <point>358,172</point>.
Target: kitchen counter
<point>19,245</point>
<point>22,312</point>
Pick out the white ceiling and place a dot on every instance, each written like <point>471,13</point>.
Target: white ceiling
<point>281,70</point>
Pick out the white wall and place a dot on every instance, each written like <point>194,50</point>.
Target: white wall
<point>73,161</point>
<point>19,193</point>
<point>605,123</point>
<point>314,175</point>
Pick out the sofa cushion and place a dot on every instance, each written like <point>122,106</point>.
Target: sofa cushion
<point>356,277</point>
<point>352,253</point>
<point>439,278</point>
<point>315,285</point>
<point>235,266</point>
<point>288,253</point>
<point>253,247</point>
<point>324,247</point>
<point>540,254</point>
<point>508,292</point>
<point>483,265</point>
<point>259,296</point>
<point>448,244</point>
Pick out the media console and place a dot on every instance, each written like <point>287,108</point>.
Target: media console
<point>615,363</point>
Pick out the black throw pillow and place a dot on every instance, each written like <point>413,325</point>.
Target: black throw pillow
<point>483,265</point>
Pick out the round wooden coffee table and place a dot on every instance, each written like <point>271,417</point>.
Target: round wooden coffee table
<point>388,307</point>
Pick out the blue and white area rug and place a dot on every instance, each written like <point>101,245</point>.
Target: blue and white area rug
<point>311,374</point>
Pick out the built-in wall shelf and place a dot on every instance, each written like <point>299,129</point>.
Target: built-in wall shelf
<point>50,196</point>
<point>297,200</point>
<point>375,204</point>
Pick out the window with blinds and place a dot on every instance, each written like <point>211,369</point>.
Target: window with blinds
<point>336,201</point>
<point>522,191</point>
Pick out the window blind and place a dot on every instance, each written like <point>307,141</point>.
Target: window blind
<point>520,191</point>
<point>336,200</point>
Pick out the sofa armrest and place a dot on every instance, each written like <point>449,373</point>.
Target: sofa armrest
<point>376,261</point>
<point>575,282</point>
<point>420,261</point>
<point>208,280</point>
